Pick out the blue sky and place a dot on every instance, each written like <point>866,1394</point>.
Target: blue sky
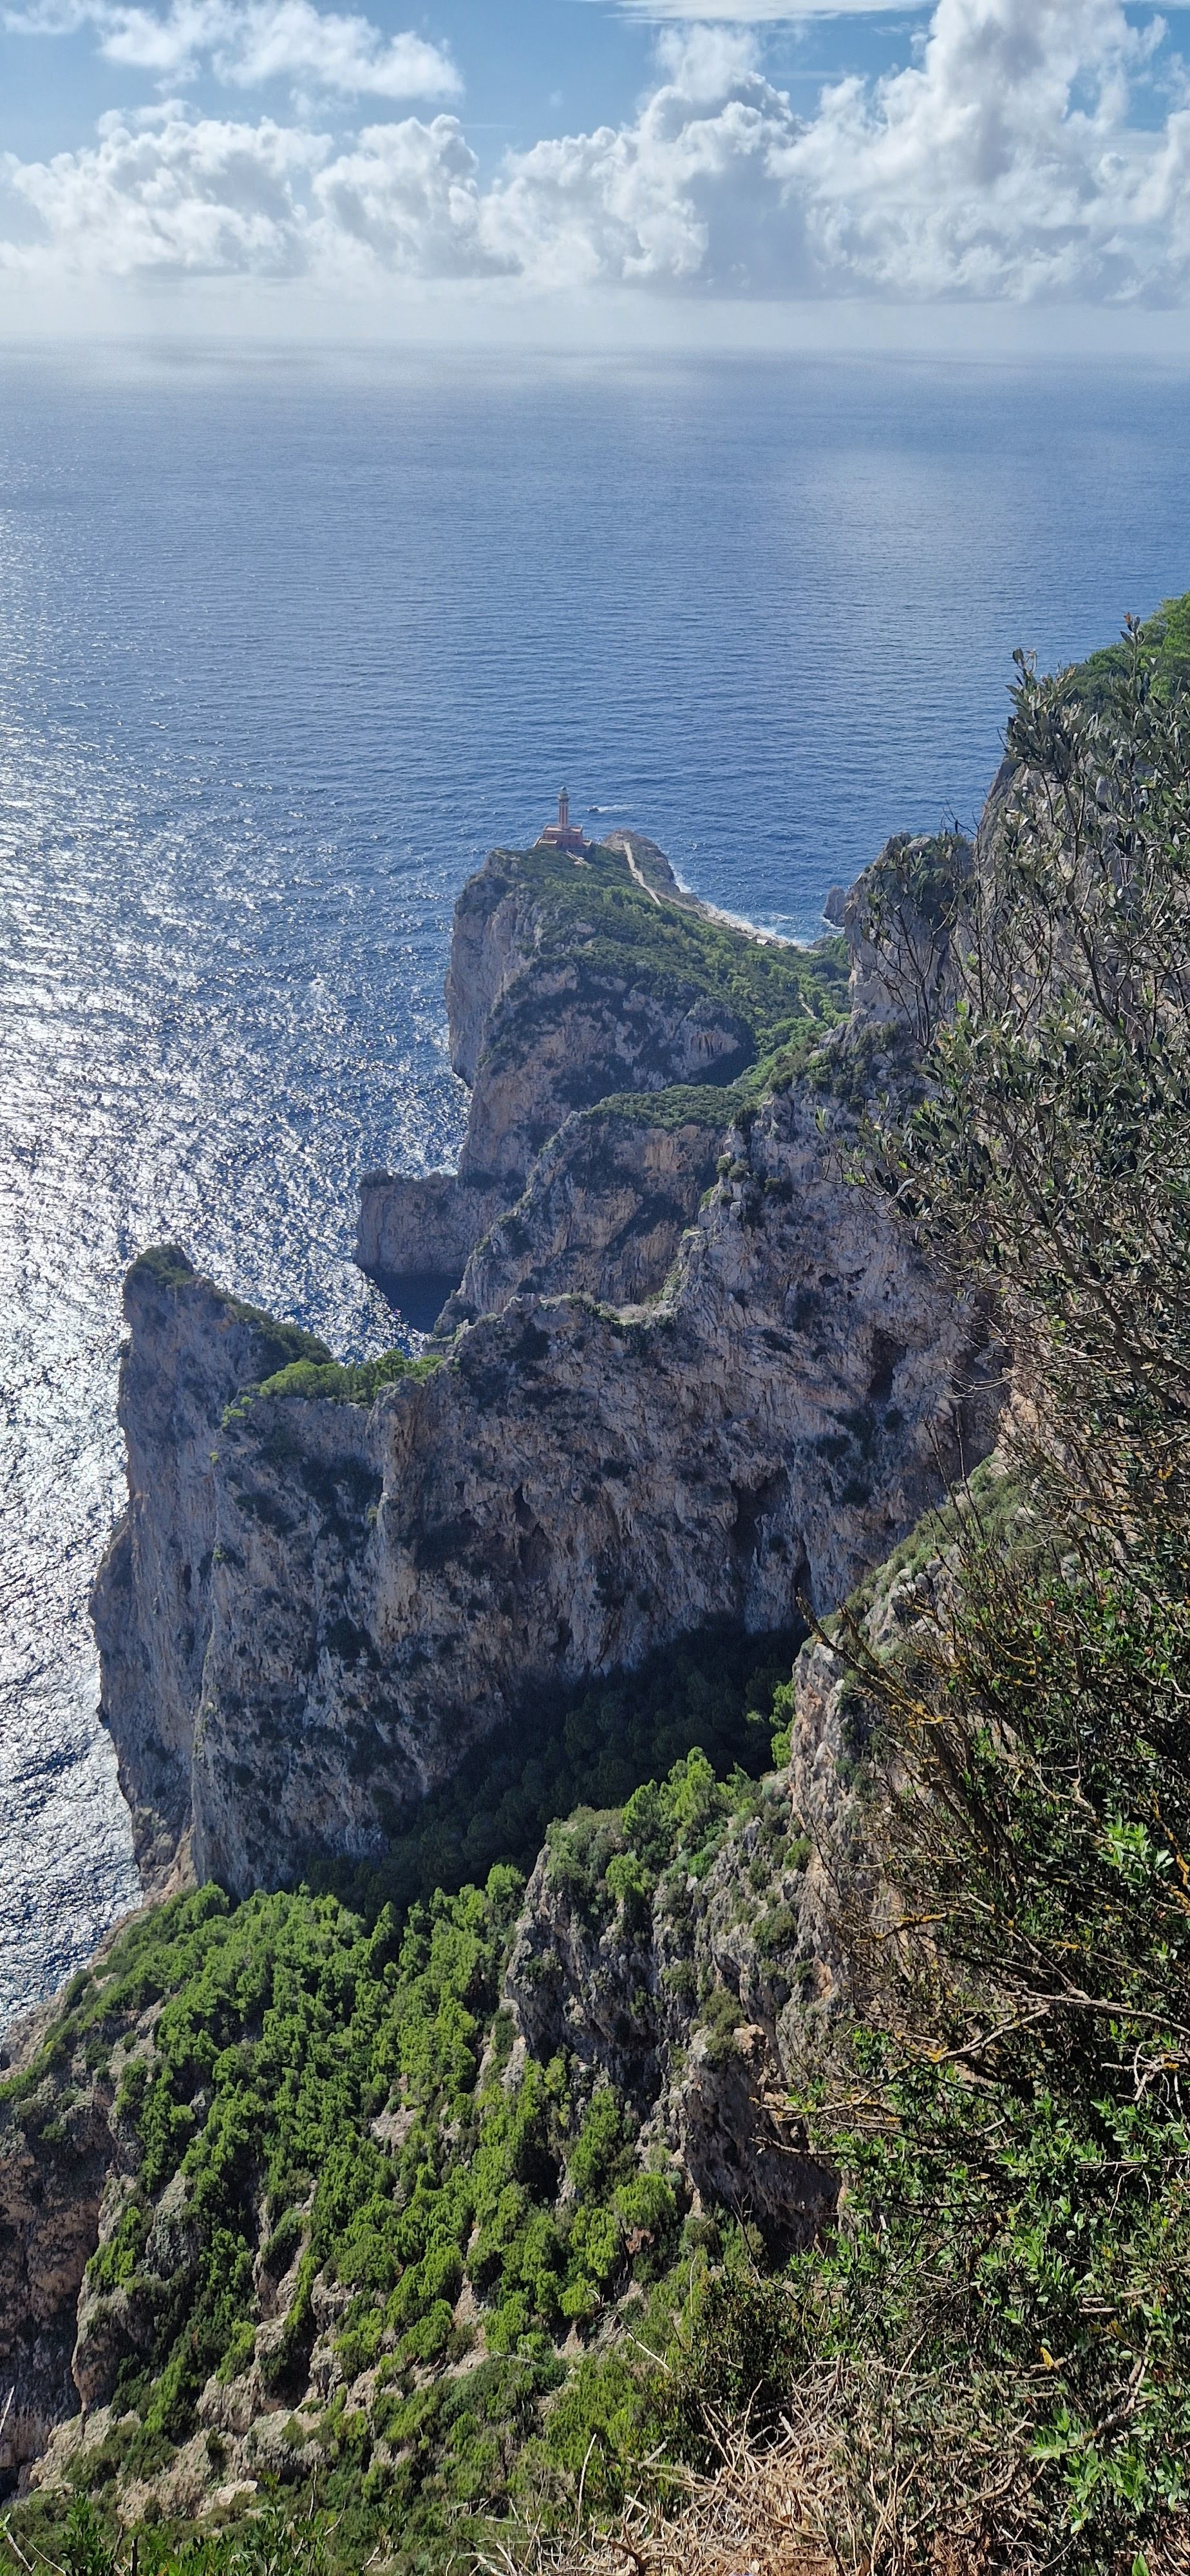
<point>360,159</point>
<point>528,67</point>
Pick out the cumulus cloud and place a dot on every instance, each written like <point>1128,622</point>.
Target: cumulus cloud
<point>1006,161</point>
<point>1003,164</point>
<point>248,41</point>
<point>171,193</point>
<point>685,193</point>
<point>406,198</point>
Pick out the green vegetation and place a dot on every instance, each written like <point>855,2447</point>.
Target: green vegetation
<point>166,1265</point>
<point>596,914</point>
<point>681,1104</point>
<point>277,1346</point>
<point>1164,642</point>
<point>273,2543</point>
<point>336,1381</point>
<point>253,2048</point>
<point>1005,2310</point>
<point>282,2029</point>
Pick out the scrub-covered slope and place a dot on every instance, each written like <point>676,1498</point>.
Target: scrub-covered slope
<point>372,2205</point>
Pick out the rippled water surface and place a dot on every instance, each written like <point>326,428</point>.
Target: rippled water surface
<point>285,647</point>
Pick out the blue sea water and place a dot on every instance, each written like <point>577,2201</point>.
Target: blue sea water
<point>287,644</point>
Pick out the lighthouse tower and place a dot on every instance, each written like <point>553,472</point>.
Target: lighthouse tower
<point>563,835</point>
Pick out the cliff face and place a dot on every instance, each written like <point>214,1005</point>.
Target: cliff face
<point>50,2194</point>
<point>900,919</point>
<point>552,1003</point>
<point>569,1489</point>
<point>419,1228</point>
<point>316,1606</point>
<point>189,1350</point>
<point>603,1212</point>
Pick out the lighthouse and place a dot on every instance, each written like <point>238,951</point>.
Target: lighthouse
<point>563,835</point>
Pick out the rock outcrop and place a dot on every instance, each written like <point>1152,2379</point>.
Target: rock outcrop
<point>570,1488</point>
<point>51,2187</point>
<point>189,1351</point>
<point>417,1229</point>
<point>690,2012</point>
<point>900,918</point>
<point>548,1012</point>
<point>315,1606</point>
<point>603,1213</point>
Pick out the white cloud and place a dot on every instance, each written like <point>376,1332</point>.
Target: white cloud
<point>704,62</point>
<point>686,193</point>
<point>170,193</point>
<point>245,42</point>
<point>767,13</point>
<point>1005,162</point>
<point>406,197</point>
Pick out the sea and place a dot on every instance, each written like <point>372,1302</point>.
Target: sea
<point>288,641</point>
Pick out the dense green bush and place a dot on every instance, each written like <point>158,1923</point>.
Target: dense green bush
<point>338,1381</point>
<point>1165,643</point>
<point>272,2543</point>
<point>600,916</point>
<point>283,2026</point>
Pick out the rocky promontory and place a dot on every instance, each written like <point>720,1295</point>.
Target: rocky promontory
<point>690,1375</point>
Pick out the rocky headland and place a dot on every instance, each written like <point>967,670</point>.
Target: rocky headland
<point>689,1376</point>
<point>688,1383</point>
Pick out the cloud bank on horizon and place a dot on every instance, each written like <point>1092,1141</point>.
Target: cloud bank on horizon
<point>1030,149</point>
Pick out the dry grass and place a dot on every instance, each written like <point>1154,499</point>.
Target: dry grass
<point>805,2505</point>
<point>751,2517</point>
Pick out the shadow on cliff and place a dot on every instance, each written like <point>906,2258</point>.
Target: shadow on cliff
<point>590,1747</point>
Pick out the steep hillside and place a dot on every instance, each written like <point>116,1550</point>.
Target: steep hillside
<point>284,2195</point>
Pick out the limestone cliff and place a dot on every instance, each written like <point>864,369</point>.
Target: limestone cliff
<point>189,1350</point>
<point>568,1489</point>
<point>50,2194</point>
<point>318,1604</point>
<point>604,1209</point>
<point>568,980</point>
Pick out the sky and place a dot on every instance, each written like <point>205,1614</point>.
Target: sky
<point>660,161</point>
